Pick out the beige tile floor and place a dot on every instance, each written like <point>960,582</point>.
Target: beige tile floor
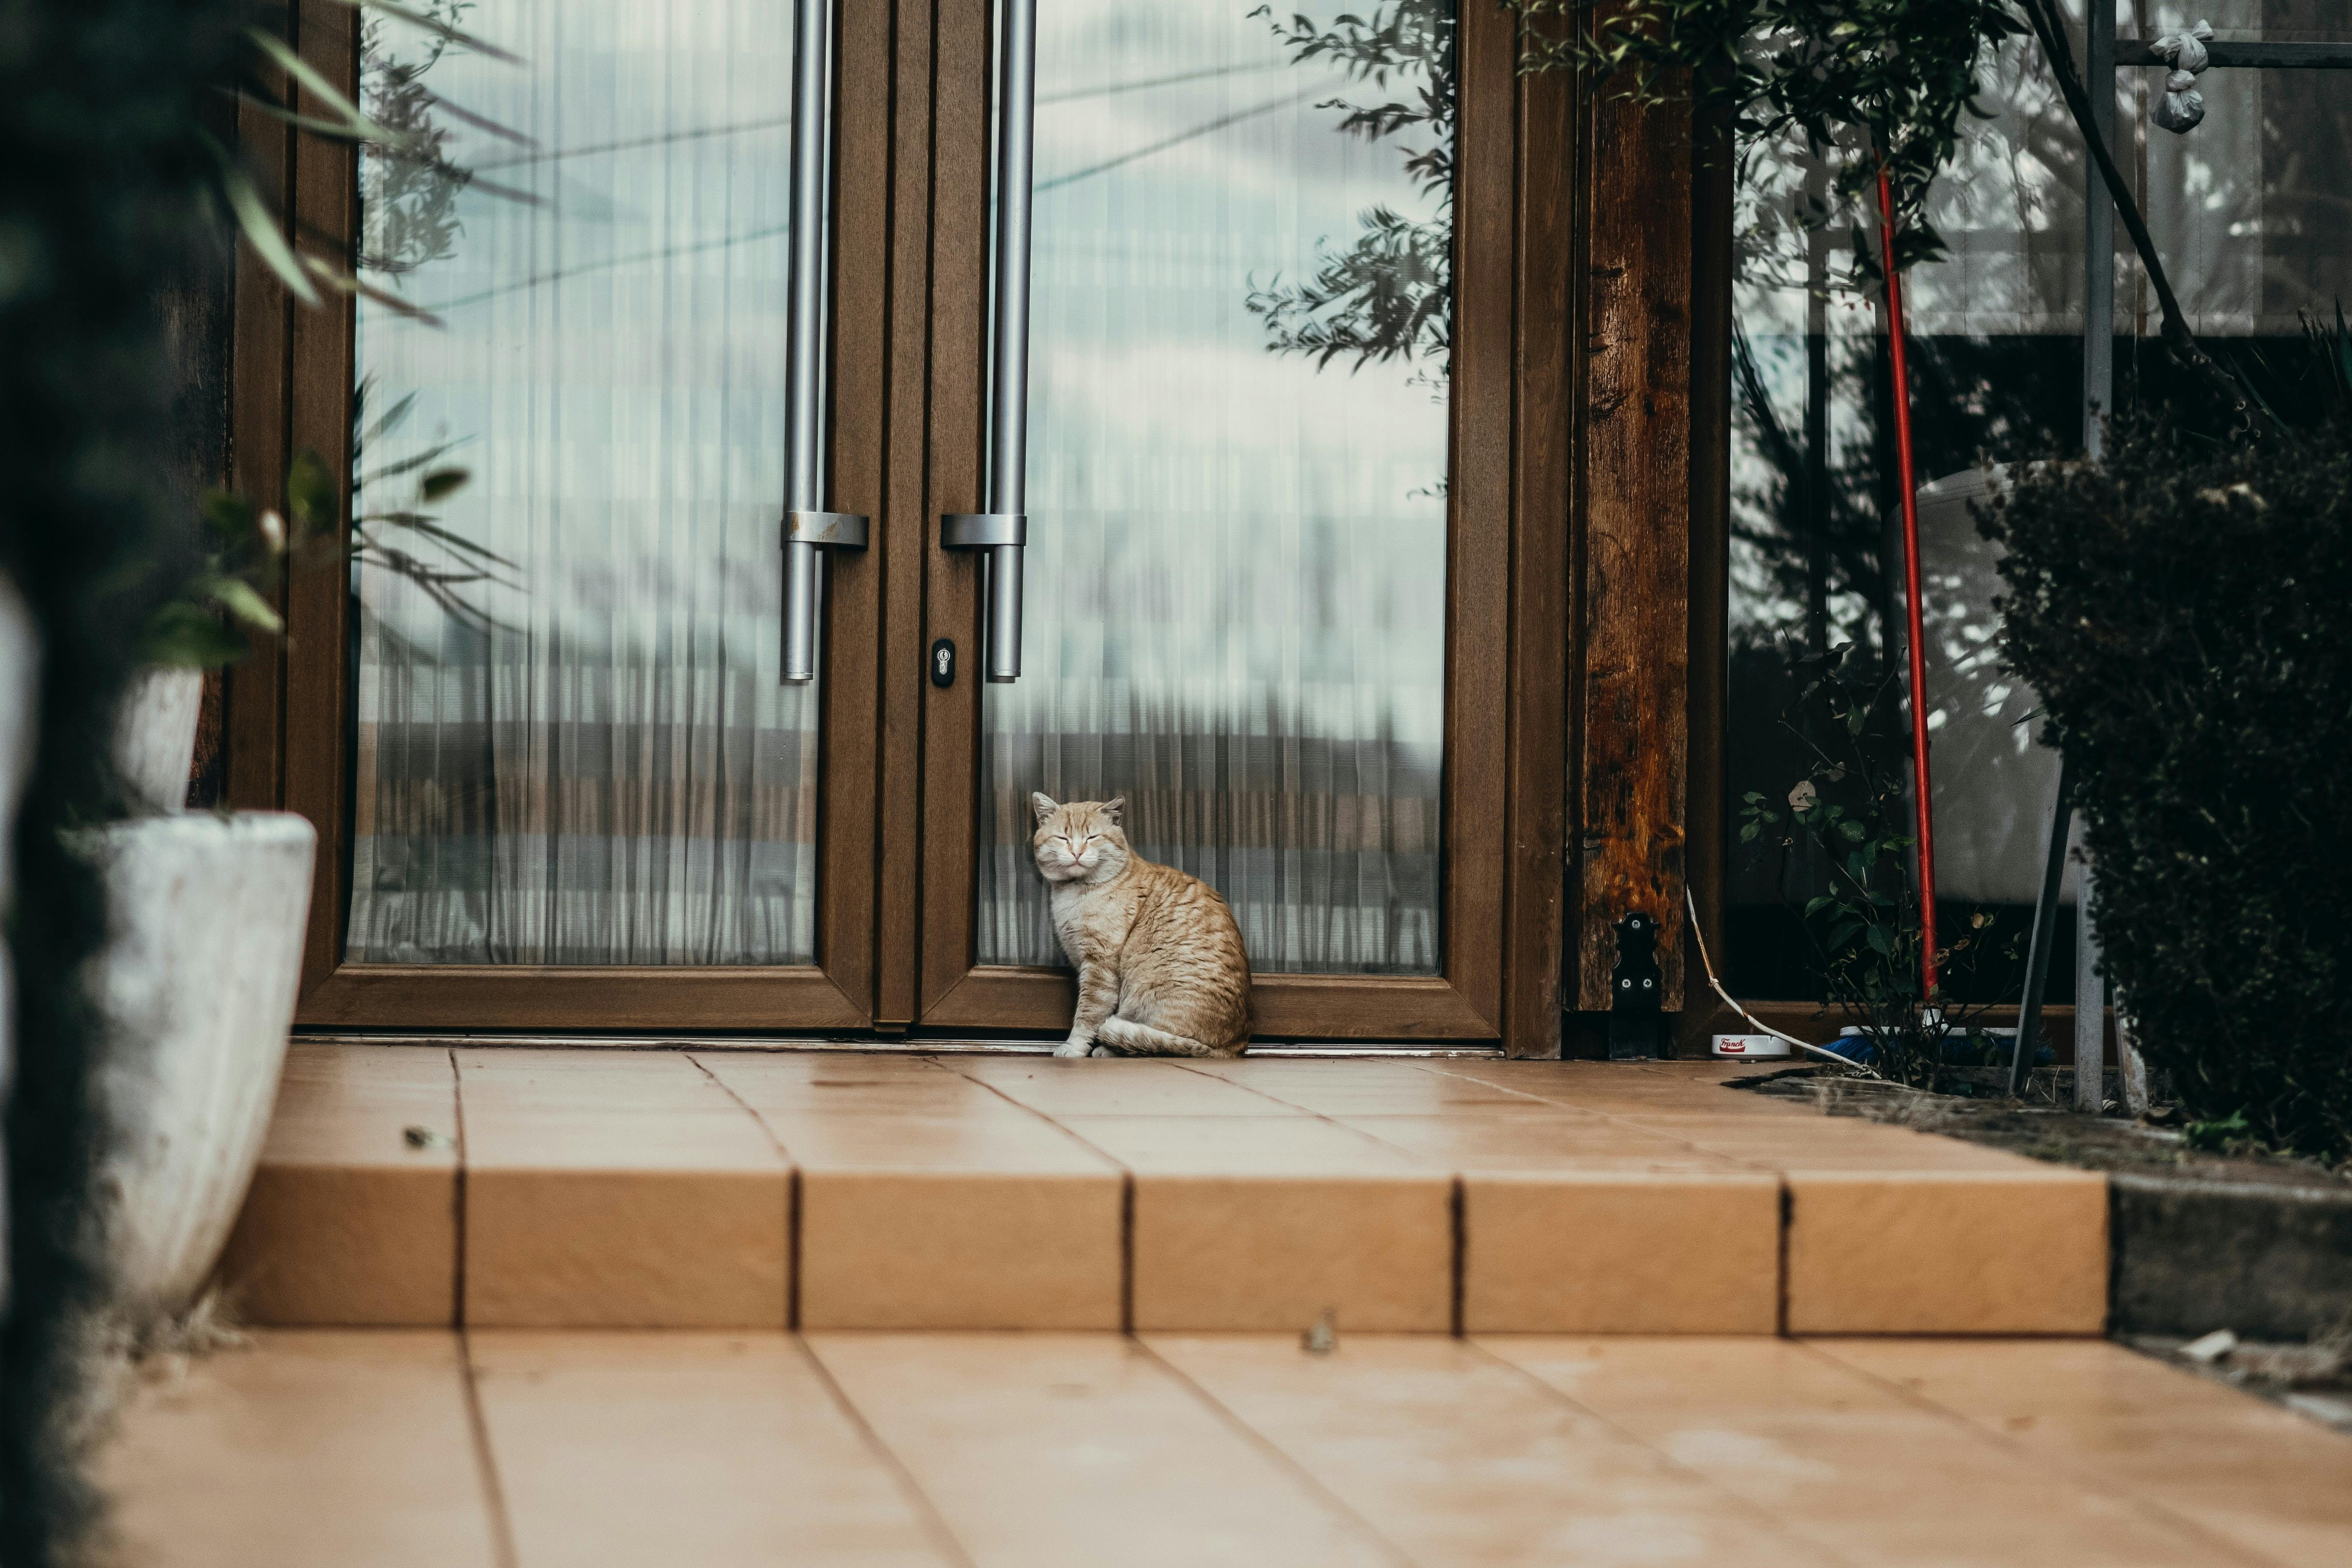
<point>530,1448</point>
<point>513,1188</point>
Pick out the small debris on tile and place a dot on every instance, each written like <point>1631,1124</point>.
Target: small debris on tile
<point>425,1138</point>
<point>2211,1347</point>
<point>1324,1337</point>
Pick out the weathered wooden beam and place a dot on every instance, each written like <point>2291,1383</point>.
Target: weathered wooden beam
<point>1633,495</point>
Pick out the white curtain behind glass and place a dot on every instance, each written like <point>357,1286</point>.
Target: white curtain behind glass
<point>1236,567</point>
<point>588,759</point>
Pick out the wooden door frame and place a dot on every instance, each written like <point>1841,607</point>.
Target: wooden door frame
<point>1509,585</point>
<point>286,709</point>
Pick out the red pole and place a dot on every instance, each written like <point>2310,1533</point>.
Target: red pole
<point>1918,646</point>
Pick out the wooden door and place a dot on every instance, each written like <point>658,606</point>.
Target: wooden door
<point>1183,566</point>
<point>538,720</point>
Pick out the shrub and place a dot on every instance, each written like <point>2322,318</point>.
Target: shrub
<point>2185,610</point>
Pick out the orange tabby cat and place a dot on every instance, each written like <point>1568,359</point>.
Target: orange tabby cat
<point>1160,967</point>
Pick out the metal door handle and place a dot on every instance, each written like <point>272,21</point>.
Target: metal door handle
<point>1003,531</point>
<point>808,527</point>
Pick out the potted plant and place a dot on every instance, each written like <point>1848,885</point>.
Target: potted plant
<point>197,985</point>
<point>206,621</point>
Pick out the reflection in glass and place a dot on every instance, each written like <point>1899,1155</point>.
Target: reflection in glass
<point>572,747</point>
<point>1237,466</point>
<point>2253,213</point>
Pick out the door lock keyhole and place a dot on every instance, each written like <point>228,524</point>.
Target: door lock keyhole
<point>943,663</point>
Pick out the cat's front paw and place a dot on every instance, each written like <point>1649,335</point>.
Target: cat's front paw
<point>1072,1046</point>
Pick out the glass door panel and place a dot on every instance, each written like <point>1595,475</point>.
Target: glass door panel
<point>571,743</point>
<point>1236,607</point>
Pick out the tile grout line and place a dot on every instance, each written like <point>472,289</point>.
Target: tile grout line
<point>1784,1214</point>
<point>494,1491</point>
<point>1126,1251</point>
<point>1458,1207</point>
<point>1125,1189</point>
<point>2090,1480</point>
<point>791,1193</point>
<point>1456,1243</point>
<point>1771,1521</point>
<point>935,1524</point>
<point>1281,1455</point>
<point>459,1192</point>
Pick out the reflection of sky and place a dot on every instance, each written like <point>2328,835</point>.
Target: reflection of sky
<point>613,358</point>
<point>1202,510</point>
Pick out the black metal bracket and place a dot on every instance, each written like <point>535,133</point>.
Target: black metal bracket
<point>1635,988</point>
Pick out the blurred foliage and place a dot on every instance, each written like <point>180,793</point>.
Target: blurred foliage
<point>1848,813</point>
<point>1867,83</point>
<point>103,194</point>
<point>2181,609</point>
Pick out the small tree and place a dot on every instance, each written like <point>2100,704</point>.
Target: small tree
<point>1873,85</point>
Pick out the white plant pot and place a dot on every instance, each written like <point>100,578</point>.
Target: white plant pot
<point>155,737</point>
<point>197,987</point>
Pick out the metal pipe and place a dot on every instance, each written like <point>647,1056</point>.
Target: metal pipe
<point>2099,236</point>
<point>805,326</point>
<point>1008,455</point>
<point>2045,926</point>
<point>1922,788</point>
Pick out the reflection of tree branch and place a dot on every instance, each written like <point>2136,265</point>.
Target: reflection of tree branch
<point>440,584</point>
<point>1389,295</point>
<point>1383,297</point>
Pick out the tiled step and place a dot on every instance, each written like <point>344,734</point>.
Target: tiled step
<point>414,1185</point>
<point>343,1448</point>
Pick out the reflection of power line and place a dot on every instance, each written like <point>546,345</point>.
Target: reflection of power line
<point>1059,181</point>
<point>1078,92</point>
<point>665,140</point>
<point>725,241</point>
<point>610,262</point>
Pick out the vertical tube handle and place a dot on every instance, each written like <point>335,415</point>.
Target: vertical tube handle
<point>1001,536</point>
<point>807,528</point>
<point>1008,455</point>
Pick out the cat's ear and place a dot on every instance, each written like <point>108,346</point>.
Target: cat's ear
<point>1044,804</point>
<point>1113,806</point>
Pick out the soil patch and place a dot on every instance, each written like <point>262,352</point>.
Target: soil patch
<point>2063,1137</point>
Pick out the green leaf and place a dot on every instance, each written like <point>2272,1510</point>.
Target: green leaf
<point>354,122</point>
<point>239,598</point>
<point>181,636</point>
<point>441,482</point>
<point>259,225</point>
<point>433,25</point>
<point>229,515</point>
<point>1816,905</point>
<point>1747,834</point>
<point>1882,942</point>
<point>1854,831</point>
<point>310,493</point>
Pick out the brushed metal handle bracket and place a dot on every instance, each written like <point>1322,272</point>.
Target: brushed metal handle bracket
<point>983,530</point>
<point>833,529</point>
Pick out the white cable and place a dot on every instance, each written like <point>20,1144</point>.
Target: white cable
<point>1716,986</point>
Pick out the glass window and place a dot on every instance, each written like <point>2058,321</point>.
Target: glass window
<point>2252,212</point>
<point>1240,297</point>
<point>573,746</point>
